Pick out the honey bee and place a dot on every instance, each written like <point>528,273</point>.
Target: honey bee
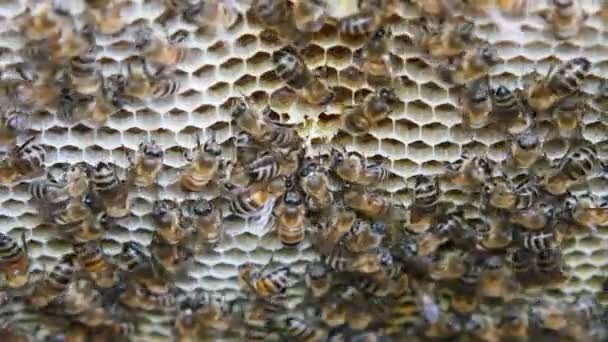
<point>500,193</point>
<point>256,199</point>
<point>348,165</point>
<point>96,263</point>
<point>208,14</point>
<point>526,150</point>
<point>310,15</point>
<point>92,227</point>
<point>575,167</point>
<point>55,283</point>
<point>376,107</point>
<point>302,330</point>
<point>318,279</point>
<point>513,324</point>
<point>315,184</point>
<point>339,259</point>
<point>376,54</point>
<point>473,65</point>
<point>13,121</point>
<point>48,191</point>
<point>257,316</point>
<point>482,327</point>
<point>142,84</point>
<point>140,297</point>
<point>263,282</point>
<point>476,104</point>
<point>450,266</point>
<point>370,17</point>
<point>469,171</point>
<point>41,22</point>
<point>448,325</point>
<point>541,94</point>
<point>112,190</point>
<point>403,315</point>
<point>292,69</point>
<point>565,18</point>
<point>167,217</point>
<point>281,135</point>
<point>171,257</point>
<point>435,8</point>
<point>270,165</point>
<point>290,218</point>
<point>521,262</point>
<point>74,211</point>
<point>14,261</point>
<point>24,161</point>
<point>332,231</point>
<point>587,210</point>
<point>537,241</point>
<point>147,165</point>
<point>248,120</point>
<point>494,282</point>
<point>83,72</point>
<point>158,51</point>
<point>278,16</point>
<point>549,263</point>
<point>600,99</point>
<point>204,167</point>
<point>208,222</point>
<point>534,218</point>
<point>368,203</point>
<point>509,109</point>
<point>131,257</point>
<point>440,40</point>
<point>364,236</point>
<point>108,20</point>
<point>567,116</point>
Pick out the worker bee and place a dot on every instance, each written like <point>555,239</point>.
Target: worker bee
<point>310,15</point>
<point>513,323</point>
<point>587,210</point>
<point>364,236</point>
<point>207,222</point>
<point>435,8</point>
<point>403,316</point>
<point>302,330</point>
<point>14,261</point>
<point>91,227</point>
<point>352,167</point>
<point>549,264</point>
<point>108,20</point>
<point>270,165</point>
<point>248,120</point>
<point>509,109</point>
<point>167,217</point>
<point>580,163</point>
<point>476,104</point>
<point>281,135</point>
<point>338,258</point>
<point>158,51</point>
<point>204,166</point>
<point>96,263</point>
<point>441,40</point>
<point>138,296</point>
<point>567,116</point>
<point>368,203</point>
<point>53,285</point>
<point>448,325</point>
<point>376,54</point>
<point>565,18</point>
<point>263,282</point>
<point>171,257</point>
<point>541,94</point>
<point>276,15</point>
<point>142,83</point>
<point>292,69</point>
<point>255,200</point>
<point>534,218</point>
<point>13,121</point>
<point>473,65</point>
<point>482,327</point>
<point>521,262</point>
<point>499,193</point>
<point>41,22</point>
<point>469,171</point>
<point>492,235</point>
<point>112,190</point>
<point>318,279</point>
<point>537,241</point>
<point>48,191</point>
<point>449,266</point>
<point>494,282</point>
<point>290,218</point>
<point>147,165</point>
<point>74,211</point>
<point>376,107</point>
<point>334,229</point>
<point>370,16</point>
<point>315,184</point>
<point>131,257</point>
<point>24,161</point>
<point>526,150</point>
<point>83,72</point>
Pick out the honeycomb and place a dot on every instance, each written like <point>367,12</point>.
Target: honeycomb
<point>417,139</point>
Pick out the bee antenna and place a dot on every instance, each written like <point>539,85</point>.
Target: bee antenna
<point>24,242</point>
<point>25,144</point>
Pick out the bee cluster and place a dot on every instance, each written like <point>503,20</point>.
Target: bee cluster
<point>479,268</point>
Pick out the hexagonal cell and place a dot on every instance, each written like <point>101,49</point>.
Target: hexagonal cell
<point>259,63</point>
<point>231,69</point>
<point>351,77</point>
<point>434,133</point>
<point>432,93</point>
<point>313,55</point>
<point>246,45</point>
<point>419,151</point>
<point>339,57</point>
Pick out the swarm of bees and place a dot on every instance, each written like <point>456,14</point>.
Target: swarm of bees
<point>384,269</point>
